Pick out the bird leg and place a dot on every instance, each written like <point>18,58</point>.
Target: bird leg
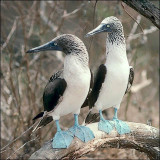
<point>62,139</point>
<point>81,132</point>
<point>120,126</point>
<point>104,125</point>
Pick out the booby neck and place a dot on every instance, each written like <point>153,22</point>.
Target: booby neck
<point>76,69</point>
<point>78,55</point>
<point>76,52</point>
<point>77,62</point>
<point>116,48</point>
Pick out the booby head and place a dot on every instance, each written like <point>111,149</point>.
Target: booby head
<point>112,26</point>
<point>66,43</point>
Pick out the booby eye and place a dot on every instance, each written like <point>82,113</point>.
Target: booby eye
<point>108,26</point>
<point>55,44</point>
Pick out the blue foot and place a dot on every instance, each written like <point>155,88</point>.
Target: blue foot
<point>81,132</point>
<point>121,127</point>
<point>105,126</point>
<point>62,139</point>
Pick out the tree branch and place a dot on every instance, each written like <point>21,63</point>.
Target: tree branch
<point>10,35</point>
<point>147,9</point>
<point>142,137</point>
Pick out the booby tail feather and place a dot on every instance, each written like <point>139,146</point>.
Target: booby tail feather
<point>45,119</point>
<point>38,116</point>
<point>93,116</point>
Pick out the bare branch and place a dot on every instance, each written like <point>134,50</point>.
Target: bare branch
<point>44,18</point>
<point>131,16</point>
<point>18,137</point>
<point>133,36</point>
<point>9,35</point>
<point>146,31</point>
<point>143,138</point>
<point>22,147</point>
<point>73,12</point>
<point>145,82</point>
<point>133,30</point>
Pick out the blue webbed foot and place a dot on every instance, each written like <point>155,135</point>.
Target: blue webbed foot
<point>62,139</point>
<point>82,132</point>
<point>105,126</point>
<point>121,127</point>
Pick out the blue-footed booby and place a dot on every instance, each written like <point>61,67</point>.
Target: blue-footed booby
<point>114,78</point>
<point>67,90</point>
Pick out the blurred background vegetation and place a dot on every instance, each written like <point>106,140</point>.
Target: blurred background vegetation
<point>27,24</point>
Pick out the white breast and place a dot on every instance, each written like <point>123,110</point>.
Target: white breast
<point>115,84</point>
<point>77,77</point>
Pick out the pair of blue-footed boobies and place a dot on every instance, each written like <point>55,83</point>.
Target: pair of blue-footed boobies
<point>73,87</point>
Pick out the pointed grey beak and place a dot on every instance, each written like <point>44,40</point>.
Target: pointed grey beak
<point>101,28</point>
<point>46,47</point>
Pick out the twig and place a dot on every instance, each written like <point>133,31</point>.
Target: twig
<point>33,20</point>
<point>10,35</point>
<point>18,137</point>
<point>146,31</point>
<point>21,147</point>
<point>133,30</point>
<point>127,105</point>
<point>35,58</point>
<point>66,15</point>
<point>44,18</point>
<point>131,16</point>
<point>133,36</point>
<point>49,17</point>
<point>145,82</point>
<point>94,12</point>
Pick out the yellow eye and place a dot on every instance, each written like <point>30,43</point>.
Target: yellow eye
<point>108,25</point>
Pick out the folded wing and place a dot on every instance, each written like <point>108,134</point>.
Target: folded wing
<point>130,79</point>
<point>52,95</point>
